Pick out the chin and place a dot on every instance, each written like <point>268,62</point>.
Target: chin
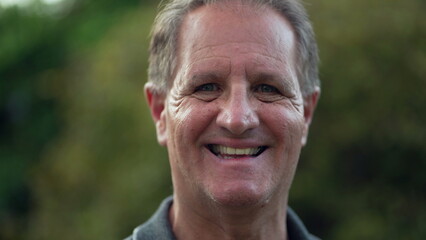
<point>239,197</point>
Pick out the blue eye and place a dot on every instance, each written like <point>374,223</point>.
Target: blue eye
<point>266,88</point>
<point>209,87</point>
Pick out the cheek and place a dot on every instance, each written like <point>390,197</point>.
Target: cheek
<point>286,127</point>
<point>286,124</point>
<point>188,120</point>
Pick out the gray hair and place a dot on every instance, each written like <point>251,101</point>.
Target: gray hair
<point>163,56</point>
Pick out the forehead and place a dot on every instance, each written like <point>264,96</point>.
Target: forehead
<point>232,29</point>
<point>234,22</point>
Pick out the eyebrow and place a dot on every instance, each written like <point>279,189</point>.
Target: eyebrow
<point>204,76</point>
<point>273,78</point>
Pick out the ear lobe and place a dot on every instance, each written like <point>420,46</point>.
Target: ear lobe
<point>309,105</point>
<point>156,103</point>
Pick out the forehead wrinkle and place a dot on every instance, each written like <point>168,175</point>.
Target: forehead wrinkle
<point>270,54</point>
<point>194,66</point>
<point>206,58</point>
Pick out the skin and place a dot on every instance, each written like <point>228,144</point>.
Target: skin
<point>235,86</point>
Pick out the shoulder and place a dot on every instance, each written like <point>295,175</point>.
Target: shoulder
<point>312,237</point>
<point>296,229</point>
<point>157,227</point>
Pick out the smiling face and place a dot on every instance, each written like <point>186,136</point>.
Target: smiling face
<point>234,119</point>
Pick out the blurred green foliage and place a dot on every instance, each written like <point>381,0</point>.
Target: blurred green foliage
<point>78,152</point>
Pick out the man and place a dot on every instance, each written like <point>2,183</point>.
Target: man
<point>232,90</point>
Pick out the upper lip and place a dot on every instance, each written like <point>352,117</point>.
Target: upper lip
<point>237,143</point>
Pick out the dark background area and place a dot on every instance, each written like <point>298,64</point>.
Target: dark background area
<point>78,153</point>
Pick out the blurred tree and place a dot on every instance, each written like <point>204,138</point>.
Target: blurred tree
<point>36,44</point>
<point>106,173</point>
<point>362,174</point>
<point>28,119</point>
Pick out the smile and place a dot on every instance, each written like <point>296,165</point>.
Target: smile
<point>226,152</point>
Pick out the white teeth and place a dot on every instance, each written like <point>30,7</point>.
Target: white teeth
<point>223,150</point>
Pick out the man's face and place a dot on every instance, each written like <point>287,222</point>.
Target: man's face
<point>234,119</point>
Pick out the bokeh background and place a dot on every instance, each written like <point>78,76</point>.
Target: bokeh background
<point>78,153</point>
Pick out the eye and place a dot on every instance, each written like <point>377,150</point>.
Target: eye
<point>265,88</point>
<point>207,92</point>
<point>267,93</point>
<point>209,87</point>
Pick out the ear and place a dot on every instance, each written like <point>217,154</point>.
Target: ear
<point>156,103</point>
<point>309,105</point>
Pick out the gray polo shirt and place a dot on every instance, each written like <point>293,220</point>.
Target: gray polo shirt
<point>158,226</point>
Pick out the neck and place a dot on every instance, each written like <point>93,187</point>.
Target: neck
<point>200,221</point>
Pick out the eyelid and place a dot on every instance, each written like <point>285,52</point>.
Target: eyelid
<point>273,88</point>
<point>207,92</point>
<point>199,87</point>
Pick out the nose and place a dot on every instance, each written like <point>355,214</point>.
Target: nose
<point>237,115</point>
